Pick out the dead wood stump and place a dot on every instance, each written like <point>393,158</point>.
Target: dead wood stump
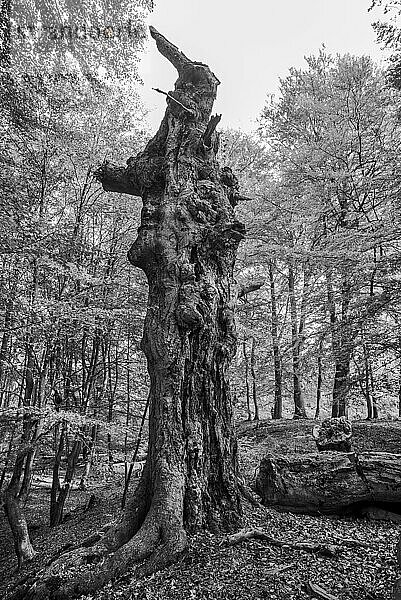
<point>333,434</point>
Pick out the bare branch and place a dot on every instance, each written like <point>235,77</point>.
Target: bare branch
<point>174,99</point>
<point>169,51</point>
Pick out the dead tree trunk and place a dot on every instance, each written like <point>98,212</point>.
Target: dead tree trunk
<point>330,482</point>
<point>186,245</point>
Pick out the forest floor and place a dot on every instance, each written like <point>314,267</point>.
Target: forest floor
<point>363,569</point>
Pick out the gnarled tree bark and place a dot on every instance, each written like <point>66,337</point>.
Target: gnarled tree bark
<point>186,245</point>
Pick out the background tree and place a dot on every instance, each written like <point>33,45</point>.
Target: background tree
<point>335,133</point>
<point>65,292</point>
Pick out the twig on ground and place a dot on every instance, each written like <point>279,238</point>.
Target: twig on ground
<point>278,569</point>
<point>350,542</point>
<point>320,592</point>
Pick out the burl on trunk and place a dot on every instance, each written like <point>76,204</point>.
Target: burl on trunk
<point>186,245</point>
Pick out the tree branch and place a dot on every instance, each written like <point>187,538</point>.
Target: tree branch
<point>251,287</point>
<point>116,179</point>
<point>169,51</point>
<point>175,99</point>
<point>187,69</point>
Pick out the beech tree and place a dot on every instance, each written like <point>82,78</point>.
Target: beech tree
<point>388,33</point>
<point>186,246</point>
<point>335,133</point>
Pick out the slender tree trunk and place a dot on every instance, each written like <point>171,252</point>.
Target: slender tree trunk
<point>15,515</point>
<point>253,374</point>
<point>319,379</point>
<point>186,245</point>
<point>278,396</point>
<point>16,492</point>
<point>110,396</point>
<point>399,387</point>
<point>8,454</point>
<point>299,406</point>
<point>56,514</point>
<point>247,386</point>
<point>12,499</point>
<point>340,389</point>
<point>4,354</point>
<point>368,398</point>
<point>55,489</point>
<point>89,457</point>
<point>372,387</point>
<point>127,417</point>
<point>36,427</point>
<point>341,345</point>
<point>27,474</point>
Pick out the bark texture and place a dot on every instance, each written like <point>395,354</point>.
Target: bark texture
<point>329,482</point>
<point>186,245</point>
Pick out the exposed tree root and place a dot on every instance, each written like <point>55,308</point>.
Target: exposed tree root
<point>158,540</point>
<point>258,534</point>
<point>85,570</point>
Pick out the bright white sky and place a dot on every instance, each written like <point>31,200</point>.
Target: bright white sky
<point>250,44</point>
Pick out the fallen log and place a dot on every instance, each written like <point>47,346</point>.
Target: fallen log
<point>330,482</point>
